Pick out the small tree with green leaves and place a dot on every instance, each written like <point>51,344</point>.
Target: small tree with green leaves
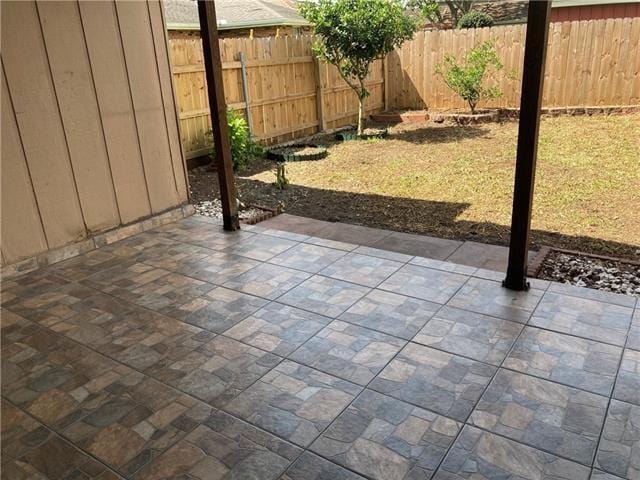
<point>466,78</point>
<point>434,11</point>
<point>354,33</point>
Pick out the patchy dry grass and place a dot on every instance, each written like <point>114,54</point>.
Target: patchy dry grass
<point>457,182</point>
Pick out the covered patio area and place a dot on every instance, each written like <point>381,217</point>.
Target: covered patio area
<point>190,352</point>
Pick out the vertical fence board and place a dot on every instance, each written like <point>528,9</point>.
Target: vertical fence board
<point>590,63</point>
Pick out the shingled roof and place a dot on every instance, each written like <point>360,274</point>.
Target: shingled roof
<point>183,14</point>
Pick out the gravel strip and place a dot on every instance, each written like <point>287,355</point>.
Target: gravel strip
<point>591,272</point>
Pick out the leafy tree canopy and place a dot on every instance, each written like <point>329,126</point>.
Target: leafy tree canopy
<point>354,33</point>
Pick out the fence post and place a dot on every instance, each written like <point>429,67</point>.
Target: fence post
<point>245,91</point>
<point>320,95</point>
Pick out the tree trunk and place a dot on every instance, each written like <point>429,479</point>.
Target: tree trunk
<point>472,105</point>
<point>360,114</point>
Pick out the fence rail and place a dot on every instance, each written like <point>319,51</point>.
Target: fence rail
<point>589,63</point>
<point>291,94</point>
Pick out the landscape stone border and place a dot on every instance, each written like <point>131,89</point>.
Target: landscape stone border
<point>536,264</point>
<point>272,154</point>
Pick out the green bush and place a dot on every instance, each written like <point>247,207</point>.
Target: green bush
<point>466,77</point>
<point>243,149</point>
<point>475,19</point>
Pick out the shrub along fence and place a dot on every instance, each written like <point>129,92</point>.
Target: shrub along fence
<point>277,80</point>
<point>289,94</point>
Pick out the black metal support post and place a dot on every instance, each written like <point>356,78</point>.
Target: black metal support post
<point>530,102</point>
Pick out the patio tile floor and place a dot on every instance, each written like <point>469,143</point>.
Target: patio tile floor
<point>187,352</point>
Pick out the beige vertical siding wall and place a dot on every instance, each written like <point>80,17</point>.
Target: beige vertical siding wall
<point>90,137</point>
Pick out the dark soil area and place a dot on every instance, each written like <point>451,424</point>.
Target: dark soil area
<point>456,182</point>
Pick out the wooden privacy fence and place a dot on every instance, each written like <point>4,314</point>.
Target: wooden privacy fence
<point>290,94</point>
<point>589,63</point>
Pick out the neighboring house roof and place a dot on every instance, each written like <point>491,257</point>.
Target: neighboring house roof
<point>231,14</point>
<point>515,11</point>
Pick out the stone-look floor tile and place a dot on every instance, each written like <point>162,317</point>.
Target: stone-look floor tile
<point>600,475</point>
<point>498,276</point>
<point>223,448</point>
<point>619,449</point>
<point>481,255</point>
<point>42,362</point>
<point>478,455</point>
<point>593,294</point>
<point>134,421</point>
<point>278,328</point>
<point>220,309</point>
<point>310,258</point>
<point>335,244</point>
<point>119,416</point>
<point>30,450</point>
<point>573,361</point>
<point>422,245</point>
<point>633,339</point>
<point>387,255</point>
<point>312,467</point>
<point>59,303</point>
<point>260,247</point>
<point>267,281</point>
<point>425,283</point>
<point>15,328</point>
<point>491,298</point>
<point>439,381</point>
<point>473,335</point>
<point>149,287</point>
<point>384,438</point>
<point>296,237</point>
<point>137,247</point>
<point>361,269</point>
<point>348,351</point>
<point>135,336</point>
<point>628,382</point>
<point>599,321</point>
<point>440,265</point>
<point>202,234</point>
<point>82,266</point>
<point>29,285</point>
<point>325,296</point>
<point>172,256</point>
<point>219,370</point>
<point>147,346</point>
<point>216,268</point>
<point>559,419</point>
<point>391,313</point>
<point>293,401</point>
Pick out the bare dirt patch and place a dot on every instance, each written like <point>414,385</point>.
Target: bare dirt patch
<point>456,181</point>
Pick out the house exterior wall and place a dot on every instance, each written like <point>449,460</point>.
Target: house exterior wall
<point>90,138</point>
<point>595,12</point>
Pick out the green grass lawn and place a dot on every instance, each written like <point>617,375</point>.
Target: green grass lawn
<point>457,182</point>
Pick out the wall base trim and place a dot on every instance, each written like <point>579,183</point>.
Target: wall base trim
<point>50,257</point>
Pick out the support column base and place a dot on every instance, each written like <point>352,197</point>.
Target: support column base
<point>516,280</point>
<point>230,223</point>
